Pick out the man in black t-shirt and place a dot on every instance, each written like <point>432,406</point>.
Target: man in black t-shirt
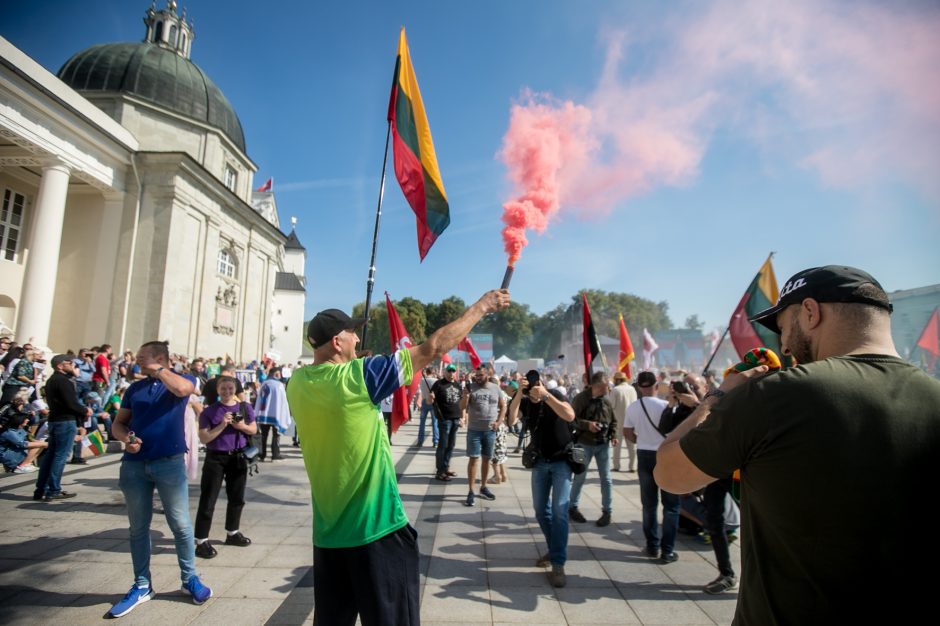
<point>548,417</point>
<point>445,398</point>
<point>837,456</point>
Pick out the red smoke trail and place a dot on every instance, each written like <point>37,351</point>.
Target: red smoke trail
<point>543,140</point>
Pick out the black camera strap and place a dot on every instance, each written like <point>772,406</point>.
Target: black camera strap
<point>650,420</point>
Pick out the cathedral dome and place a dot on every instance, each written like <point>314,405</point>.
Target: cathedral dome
<point>158,75</point>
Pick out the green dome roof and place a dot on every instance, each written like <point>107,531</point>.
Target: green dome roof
<point>157,75</point>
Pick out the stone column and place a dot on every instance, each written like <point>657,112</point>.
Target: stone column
<point>42,264</point>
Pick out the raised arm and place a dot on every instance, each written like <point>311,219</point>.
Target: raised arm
<point>446,337</point>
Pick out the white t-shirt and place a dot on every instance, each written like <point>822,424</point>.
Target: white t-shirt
<point>647,437</point>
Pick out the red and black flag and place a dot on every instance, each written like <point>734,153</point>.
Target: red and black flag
<point>929,340</point>
<point>592,346</point>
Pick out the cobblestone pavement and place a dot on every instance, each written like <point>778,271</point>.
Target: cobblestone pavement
<point>66,562</point>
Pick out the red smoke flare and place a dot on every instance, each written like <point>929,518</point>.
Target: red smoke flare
<point>543,138</point>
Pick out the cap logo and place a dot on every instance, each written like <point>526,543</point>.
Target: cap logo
<point>790,287</point>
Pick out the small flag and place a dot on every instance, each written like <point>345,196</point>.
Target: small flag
<point>93,442</point>
<point>649,347</point>
<point>402,397</point>
<point>267,186</point>
<point>592,347</point>
<point>626,350</point>
<point>761,294</point>
<point>415,161</point>
<point>929,339</point>
<point>466,345</point>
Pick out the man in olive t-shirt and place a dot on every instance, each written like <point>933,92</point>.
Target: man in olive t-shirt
<point>837,459</point>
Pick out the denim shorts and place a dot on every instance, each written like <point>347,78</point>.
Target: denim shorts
<point>480,442</point>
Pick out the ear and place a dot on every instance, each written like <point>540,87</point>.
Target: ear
<point>811,312</point>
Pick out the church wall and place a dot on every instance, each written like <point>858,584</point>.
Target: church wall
<point>287,323</point>
<point>162,133</point>
<point>73,303</point>
<point>294,261</point>
<point>11,272</point>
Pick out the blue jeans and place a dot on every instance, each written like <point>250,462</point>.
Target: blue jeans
<point>137,481</point>
<point>649,497</point>
<point>481,442</point>
<point>427,410</point>
<point>601,452</point>
<point>447,439</point>
<point>61,439</point>
<point>554,477</point>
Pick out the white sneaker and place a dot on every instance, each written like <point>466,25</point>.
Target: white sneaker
<point>25,469</point>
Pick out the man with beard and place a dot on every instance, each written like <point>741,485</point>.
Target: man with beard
<point>836,457</point>
<point>445,398</point>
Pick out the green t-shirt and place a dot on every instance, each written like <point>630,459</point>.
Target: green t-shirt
<point>837,461</point>
<point>345,447</point>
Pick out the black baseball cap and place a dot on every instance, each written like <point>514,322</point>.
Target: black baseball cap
<point>830,283</point>
<point>646,379</point>
<point>328,323</point>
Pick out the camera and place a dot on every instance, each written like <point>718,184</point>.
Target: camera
<point>238,416</point>
<point>532,377</point>
<point>680,387</point>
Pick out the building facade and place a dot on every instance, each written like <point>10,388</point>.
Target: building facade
<point>128,213</point>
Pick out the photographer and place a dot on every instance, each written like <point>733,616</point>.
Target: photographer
<point>597,431</point>
<point>547,416</point>
<point>224,427</point>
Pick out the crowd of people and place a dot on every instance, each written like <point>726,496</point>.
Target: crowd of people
<point>832,454</point>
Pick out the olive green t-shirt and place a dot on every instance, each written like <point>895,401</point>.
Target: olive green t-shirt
<point>837,458</point>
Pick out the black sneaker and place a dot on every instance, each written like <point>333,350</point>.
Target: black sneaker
<point>722,584</point>
<point>651,552</point>
<point>575,515</point>
<point>238,539</point>
<point>668,557</point>
<point>205,550</point>
<point>62,495</point>
<point>604,519</point>
<point>471,497</point>
<point>486,494</point>
<point>78,462</point>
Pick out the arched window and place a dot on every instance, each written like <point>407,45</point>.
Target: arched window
<point>172,40</point>
<point>158,33</point>
<point>228,263</point>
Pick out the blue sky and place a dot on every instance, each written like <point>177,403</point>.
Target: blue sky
<point>811,130</point>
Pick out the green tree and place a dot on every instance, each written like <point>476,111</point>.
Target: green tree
<point>511,329</point>
<point>443,313</point>
<point>693,323</point>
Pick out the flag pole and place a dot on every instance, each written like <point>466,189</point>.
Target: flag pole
<point>717,346</point>
<point>370,283</point>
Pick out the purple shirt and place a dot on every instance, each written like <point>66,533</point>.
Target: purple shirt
<point>228,439</point>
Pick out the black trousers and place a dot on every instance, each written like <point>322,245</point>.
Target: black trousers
<point>234,469</point>
<point>377,581</point>
<point>715,523</point>
<point>275,441</point>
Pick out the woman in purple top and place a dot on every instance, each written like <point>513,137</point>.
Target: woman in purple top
<point>224,427</point>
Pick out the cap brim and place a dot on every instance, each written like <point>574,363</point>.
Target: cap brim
<point>768,317</point>
<point>358,322</point>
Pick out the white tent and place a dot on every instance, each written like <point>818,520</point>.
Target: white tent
<point>504,365</point>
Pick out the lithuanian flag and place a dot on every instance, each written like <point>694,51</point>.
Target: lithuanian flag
<point>95,443</point>
<point>761,294</point>
<point>415,162</point>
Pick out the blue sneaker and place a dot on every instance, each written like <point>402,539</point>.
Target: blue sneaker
<point>470,499</point>
<point>136,596</point>
<point>197,590</point>
<point>486,494</point>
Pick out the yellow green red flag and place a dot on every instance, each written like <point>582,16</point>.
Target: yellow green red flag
<point>415,161</point>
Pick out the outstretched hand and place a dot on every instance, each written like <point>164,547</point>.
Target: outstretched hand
<point>495,300</point>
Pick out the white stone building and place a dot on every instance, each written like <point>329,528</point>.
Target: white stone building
<point>128,213</point>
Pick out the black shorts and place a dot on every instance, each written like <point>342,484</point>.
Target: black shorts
<point>377,581</point>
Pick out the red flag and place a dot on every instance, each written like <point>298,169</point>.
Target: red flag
<point>626,350</point>
<point>592,347</point>
<point>930,338</point>
<point>267,186</point>
<point>401,401</point>
<point>466,345</point>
